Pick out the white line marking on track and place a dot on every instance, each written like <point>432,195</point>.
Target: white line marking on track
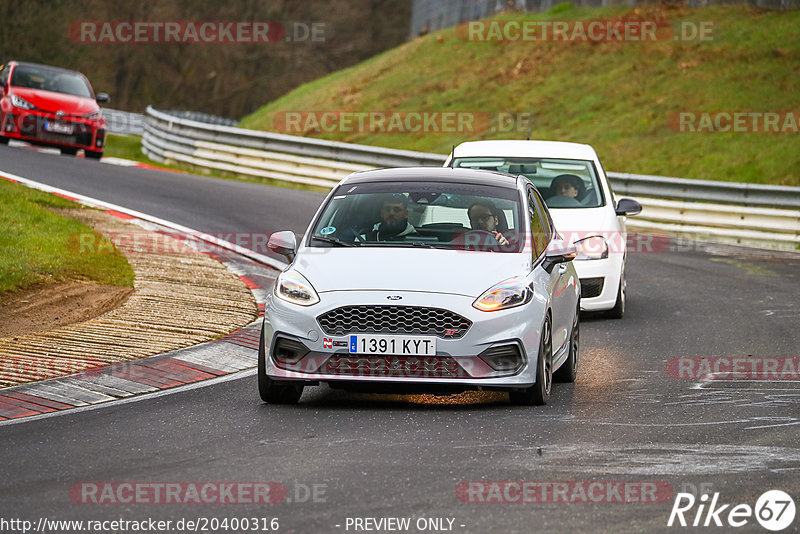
<point>93,202</point>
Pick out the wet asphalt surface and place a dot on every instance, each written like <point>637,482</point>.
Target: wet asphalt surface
<point>370,456</point>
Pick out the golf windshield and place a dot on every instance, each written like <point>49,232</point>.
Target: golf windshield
<point>421,214</point>
<point>564,183</point>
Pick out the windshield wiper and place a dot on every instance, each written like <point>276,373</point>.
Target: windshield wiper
<point>402,244</point>
<point>333,241</point>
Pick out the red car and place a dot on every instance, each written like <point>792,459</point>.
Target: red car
<point>50,106</point>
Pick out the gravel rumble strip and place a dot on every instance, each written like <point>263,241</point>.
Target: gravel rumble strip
<point>180,298</point>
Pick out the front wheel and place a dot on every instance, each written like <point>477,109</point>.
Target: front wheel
<point>619,306</point>
<point>93,154</point>
<point>539,393</point>
<point>67,151</point>
<point>268,389</point>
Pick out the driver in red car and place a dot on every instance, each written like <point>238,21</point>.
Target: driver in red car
<point>483,216</point>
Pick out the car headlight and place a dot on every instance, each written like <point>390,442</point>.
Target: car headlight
<point>293,287</point>
<point>93,116</point>
<point>592,248</point>
<point>19,102</point>
<point>507,294</point>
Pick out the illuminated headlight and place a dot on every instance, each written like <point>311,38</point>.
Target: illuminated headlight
<point>292,286</point>
<point>93,116</point>
<point>21,103</point>
<point>592,248</point>
<point>507,294</point>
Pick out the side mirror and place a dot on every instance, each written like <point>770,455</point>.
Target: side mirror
<point>559,251</point>
<point>628,206</point>
<point>283,243</point>
<point>102,98</point>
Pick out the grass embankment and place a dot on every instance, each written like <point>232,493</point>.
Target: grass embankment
<point>616,96</point>
<point>38,246</point>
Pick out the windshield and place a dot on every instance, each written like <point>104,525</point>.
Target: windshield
<point>435,215</point>
<point>564,183</point>
<point>58,81</point>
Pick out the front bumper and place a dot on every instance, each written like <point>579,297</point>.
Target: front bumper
<point>610,270</point>
<point>456,363</point>
<point>47,129</point>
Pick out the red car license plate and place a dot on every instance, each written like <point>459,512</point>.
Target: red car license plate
<point>59,127</point>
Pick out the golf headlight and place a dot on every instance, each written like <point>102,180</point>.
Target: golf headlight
<point>507,294</point>
<point>19,102</point>
<point>292,286</point>
<point>592,248</point>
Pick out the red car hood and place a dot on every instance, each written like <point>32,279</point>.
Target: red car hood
<point>53,102</point>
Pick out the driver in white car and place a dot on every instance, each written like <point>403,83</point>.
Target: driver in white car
<point>394,223</point>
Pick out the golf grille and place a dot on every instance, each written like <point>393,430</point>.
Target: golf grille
<point>591,287</point>
<point>394,320</point>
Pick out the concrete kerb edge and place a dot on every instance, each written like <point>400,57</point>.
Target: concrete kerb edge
<point>242,363</point>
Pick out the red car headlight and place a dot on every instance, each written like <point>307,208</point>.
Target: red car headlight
<point>19,102</point>
<point>93,116</point>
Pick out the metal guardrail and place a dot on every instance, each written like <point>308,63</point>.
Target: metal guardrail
<point>123,122</point>
<point>725,211</point>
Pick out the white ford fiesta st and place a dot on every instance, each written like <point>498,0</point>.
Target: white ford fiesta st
<point>423,280</point>
<point>576,191</point>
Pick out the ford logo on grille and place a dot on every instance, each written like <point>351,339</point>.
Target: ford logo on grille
<point>394,297</point>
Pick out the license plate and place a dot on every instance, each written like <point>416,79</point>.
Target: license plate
<point>58,127</point>
<point>394,345</point>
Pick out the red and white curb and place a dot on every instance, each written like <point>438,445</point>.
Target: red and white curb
<point>210,361</point>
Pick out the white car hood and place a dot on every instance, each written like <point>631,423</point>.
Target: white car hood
<point>575,224</point>
<point>402,269</point>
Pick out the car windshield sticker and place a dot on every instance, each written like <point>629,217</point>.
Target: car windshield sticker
<point>352,189</point>
<point>327,230</point>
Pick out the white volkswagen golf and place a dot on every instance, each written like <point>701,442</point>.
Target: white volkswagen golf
<point>423,280</point>
<point>576,191</point>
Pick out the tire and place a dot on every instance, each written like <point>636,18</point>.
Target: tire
<point>3,139</point>
<point>619,307</point>
<point>69,151</point>
<point>568,371</point>
<point>271,392</point>
<point>539,393</point>
<point>92,154</point>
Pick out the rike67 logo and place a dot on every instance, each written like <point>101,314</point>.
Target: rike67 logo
<point>774,510</point>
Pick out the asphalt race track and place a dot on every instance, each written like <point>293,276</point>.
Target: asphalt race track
<point>625,419</point>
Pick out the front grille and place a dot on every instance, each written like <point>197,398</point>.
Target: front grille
<point>591,287</point>
<point>33,126</point>
<point>394,320</point>
<point>393,366</point>
<point>57,138</point>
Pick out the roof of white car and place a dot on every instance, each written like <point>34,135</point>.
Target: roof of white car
<point>433,174</point>
<point>521,149</point>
